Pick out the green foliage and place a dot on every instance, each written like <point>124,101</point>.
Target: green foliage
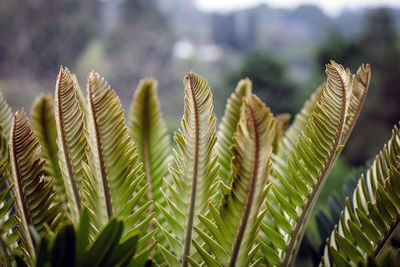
<point>119,192</point>
<point>270,81</point>
<point>70,246</point>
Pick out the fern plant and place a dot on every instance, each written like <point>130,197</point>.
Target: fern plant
<point>82,185</point>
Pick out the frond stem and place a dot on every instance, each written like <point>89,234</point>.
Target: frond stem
<point>190,220</point>
<point>145,143</point>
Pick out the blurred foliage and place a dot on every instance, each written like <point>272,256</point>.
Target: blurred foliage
<point>36,36</point>
<point>270,81</point>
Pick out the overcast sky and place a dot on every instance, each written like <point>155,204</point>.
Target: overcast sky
<point>331,7</point>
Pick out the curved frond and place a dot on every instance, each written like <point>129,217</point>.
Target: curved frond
<point>194,170</point>
<point>359,91</point>
<point>5,116</point>
<point>44,126</point>
<point>115,170</point>
<point>33,195</point>
<point>366,228</point>
<point>71,140</point>
<point>149,132</point>
<point>237,222</point>
<point>307,169</point>
<point>228,126</point>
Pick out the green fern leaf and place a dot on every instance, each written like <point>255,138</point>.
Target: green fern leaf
<point>149,133</point>
<point>34,196</point>
<point>5,117</point>
<point>71,140</point>
<point>8,237</point>
<point>5,126</point>
<point>370,224</point>
<point>44,126</point>
<point>238,220</point>
<point>288,142</point>
<point>299,124</point>
<point>114,169</point>
<point>307,167</point>
<point>228,127</point>
<point>194,170</point>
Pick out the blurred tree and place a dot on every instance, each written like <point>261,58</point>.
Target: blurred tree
<point>270,81</point>
<point>37,36</point>
<point>139,47</point>
<point>377,46</point>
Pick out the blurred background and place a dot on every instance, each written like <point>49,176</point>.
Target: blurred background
<point>282,46</point>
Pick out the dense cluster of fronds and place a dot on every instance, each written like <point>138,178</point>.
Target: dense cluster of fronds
<point>81,186</point>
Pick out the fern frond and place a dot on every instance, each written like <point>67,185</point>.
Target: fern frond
<point>366,228</point>
<point>194,170</point>
<point>289,140</point>
<point>307,169</point>
<point>359,91</point>
<point>44,127</point>
<point>33,195</point>
<point>228,126</point>
<point>5,116</point>
<point>8,237</point>
<point>237,222</point>
<point>281,123</point>
<point>149,132</point>
<point>71,140</point>
<point>299,124</point>
<point>115,170</point>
